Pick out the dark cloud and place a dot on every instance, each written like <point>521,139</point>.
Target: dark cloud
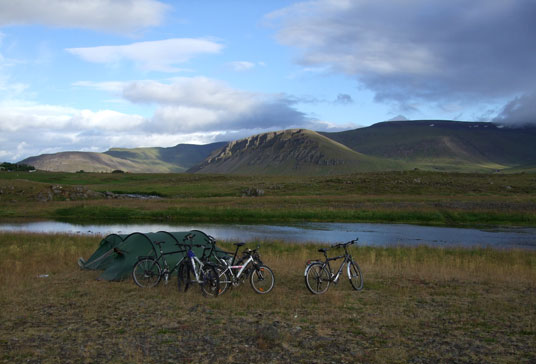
<point>344,99</point>
<point>519,112</point>
<point>398,118</point>
<point>459,50</point>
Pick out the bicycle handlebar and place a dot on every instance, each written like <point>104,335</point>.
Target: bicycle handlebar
<point>341,245</point>
<point>188,237</point>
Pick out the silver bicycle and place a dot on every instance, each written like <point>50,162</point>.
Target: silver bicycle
<point>198,270</point>
<point>232,273</point>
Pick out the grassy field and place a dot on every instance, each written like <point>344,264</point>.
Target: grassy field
<point>418,305</point>
<point>400,197</point>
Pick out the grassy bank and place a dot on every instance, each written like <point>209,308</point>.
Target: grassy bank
<point>392,197</point>
<point>418,305</point>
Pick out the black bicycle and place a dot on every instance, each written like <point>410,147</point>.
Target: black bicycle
<point>148,271</point>
<point>319,275</point>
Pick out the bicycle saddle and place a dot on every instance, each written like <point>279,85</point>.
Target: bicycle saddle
<point>322,250</point>
<point>239,244</point>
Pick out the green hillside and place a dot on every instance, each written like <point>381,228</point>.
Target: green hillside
<point>289,152</point>
<point>444,145</point>
<point>173,159</point>
<point>81,161</point>
<point>136,160</point>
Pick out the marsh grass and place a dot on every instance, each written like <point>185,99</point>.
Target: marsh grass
<point>419,304</point>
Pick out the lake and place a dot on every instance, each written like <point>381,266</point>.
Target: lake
<point>327,233</point>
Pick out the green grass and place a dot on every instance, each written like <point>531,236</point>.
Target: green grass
<point>416,306</point>
<point>403,197</point>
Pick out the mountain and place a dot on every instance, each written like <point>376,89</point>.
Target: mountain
<point>293,151</point>
<point>137,160</point>
<point>391,145</point>
<point>445,145</point>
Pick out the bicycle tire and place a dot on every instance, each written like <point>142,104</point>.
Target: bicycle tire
<point>210,285</point>
<point>262,279</point>
<point>225,279</point>
<point>184,273</point>
<point>317,278</point>
<point>355,276</point>
<point>147,273</point>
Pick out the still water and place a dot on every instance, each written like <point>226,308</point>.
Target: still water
<point>368,234</point>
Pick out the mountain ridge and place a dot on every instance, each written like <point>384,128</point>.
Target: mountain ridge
<point>392,145</point>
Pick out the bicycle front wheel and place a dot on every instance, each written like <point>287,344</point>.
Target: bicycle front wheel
<point>210,285</point>
<point>355,276</point>
<point>146,272</point>
<point>262,279</point>
<point>317,278</point>
<point>225,279</point>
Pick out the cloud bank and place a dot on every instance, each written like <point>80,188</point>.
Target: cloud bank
<point>519,112</point>
<point>186,110</point>
<point>427,50</point>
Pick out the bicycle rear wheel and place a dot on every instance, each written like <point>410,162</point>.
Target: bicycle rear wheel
<point>355,276</point>
<point>146,272</point>
<point>210,285</point>
<point>317,278</point>
<point>262,279</point>
<point>184,276</point>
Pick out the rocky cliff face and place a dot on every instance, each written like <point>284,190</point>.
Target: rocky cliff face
<point>299,151</point>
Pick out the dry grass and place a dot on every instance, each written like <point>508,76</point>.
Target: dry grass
<point>419,305</point>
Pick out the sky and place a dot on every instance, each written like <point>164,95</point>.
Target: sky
<point>89,75</point>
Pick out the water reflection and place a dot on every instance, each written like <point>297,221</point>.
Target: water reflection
<point>369,234</point>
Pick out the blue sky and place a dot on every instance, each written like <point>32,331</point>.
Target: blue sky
<point>93,74</point>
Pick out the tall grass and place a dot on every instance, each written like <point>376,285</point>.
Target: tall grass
<point>26,255</point>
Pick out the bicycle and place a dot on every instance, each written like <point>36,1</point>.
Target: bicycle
<point>319,275</point>
<point>148,272</point>
<point>261,277</point>
<point>198,270</point>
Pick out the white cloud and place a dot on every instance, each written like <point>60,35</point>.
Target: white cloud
<point>240,66</point>
<point>200,103</point>
<point>160,55</point>
<point>108,15</point>
<point>16,117</point>
<point>28,129</point>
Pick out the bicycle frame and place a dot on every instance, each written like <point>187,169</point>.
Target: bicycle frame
<point>335,277</point>
<point>232,269</point>
<point>166,272</point>
<point>196,263</point>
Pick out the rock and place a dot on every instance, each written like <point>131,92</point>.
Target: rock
<point>253,192</point>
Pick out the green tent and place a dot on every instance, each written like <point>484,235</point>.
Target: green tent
<point>117,253</point>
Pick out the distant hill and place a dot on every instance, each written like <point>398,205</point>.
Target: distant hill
<point>294,151</point>
<point>76,161</point>
<point>173,159</point>
<point>137,160</point>
<point>445,145</point>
